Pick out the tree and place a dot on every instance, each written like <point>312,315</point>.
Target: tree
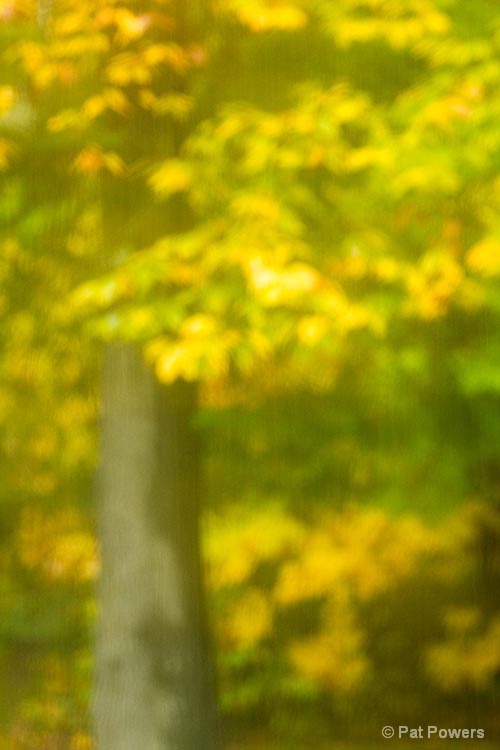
<point>274,270</point>
<point>165,695</point>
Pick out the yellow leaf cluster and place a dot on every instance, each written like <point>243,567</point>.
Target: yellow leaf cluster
<point>248,620</point>
<point>100,294</point>
<point>110,100</point>
<point>256,206</point>
<point>315,573</point>
<point>336,559</point>
<point>128,68</point>
<point>79,45</point>
<point>365,550</point>
<point>198,326</point>
<point>200,349</point>
<point>129,25</point>
<point>401,23</point>
<point>177,105</point>
<point>434,284</point>
<point>312,329</point>
<point>334,658</point>
<point>236,544</point>
<point>173,176</point>
<point>81,741</point>
<point>7,99</point>
<point>92,160</point>
<point>264,15</point>
<point>470,657</point>
<point>275,286</point>
<point>56,546</point>
<point>85,236</point>
<point>13,10</point>
<point>484,257</point>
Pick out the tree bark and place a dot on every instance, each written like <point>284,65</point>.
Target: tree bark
<point>154,682</point>
<point>153,675</point>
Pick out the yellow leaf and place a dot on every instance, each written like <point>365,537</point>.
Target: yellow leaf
<point>277,286</point>
<point>92,160</point>
<point>116,100</point>
<point>128,68</point>
<point>68,24</point>
<point>174,176</point>
<point>484,257</point>
<point>89,161</point>
<point>67,119</point>
<point>81,741</point>
<point>260,16</point>
<point>110,98</point>
<point>7,98</point>
<point>167,54</point>
<point>113,163</point>
<point>249,621</point>
<point>94,107</point>
<point>177,360</point>
<point>198,326</point>
<point>433,284</point>
<point>131,26</point>
<point>312,329</point>
<point>256,205</point>
<point>177,105</point>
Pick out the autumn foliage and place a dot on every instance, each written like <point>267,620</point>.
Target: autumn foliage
<point>327,267</point>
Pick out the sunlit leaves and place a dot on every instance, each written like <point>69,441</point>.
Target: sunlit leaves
<point>264,15</point>
<point>332,565</point>
<point>340,553</point>
<point>194,355</point>
<point>92,160</point>
<point>320,235</point>
<point>110,100</point>
<point>285,179</point>
<point>400,23</point>
<point>249,620</point>
<point>173,176</point>
<point>337,560</point>
<point>129,69</point>
<point>242,144</point>
<point>323,241</point>
<point>178,106</point>
<point>57,546</point>
<point>434,284</point>
<point>237,544</point>
<point>275,287</point>
<point>484,257</point>
<point>334,659</point>
<point>13,11</point>
<point>129,25</point>
<point>102,59</point>
<point>7,99</point>
<point>470,655</point>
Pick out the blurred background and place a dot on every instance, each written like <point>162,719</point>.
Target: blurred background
<point>293,204</point>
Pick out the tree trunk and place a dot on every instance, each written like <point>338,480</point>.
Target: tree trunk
<point>153,676</point>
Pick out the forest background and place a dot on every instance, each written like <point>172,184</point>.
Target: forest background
<point>294,205</point>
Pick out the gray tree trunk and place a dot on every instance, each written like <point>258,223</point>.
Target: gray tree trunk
<point>153,676</point>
